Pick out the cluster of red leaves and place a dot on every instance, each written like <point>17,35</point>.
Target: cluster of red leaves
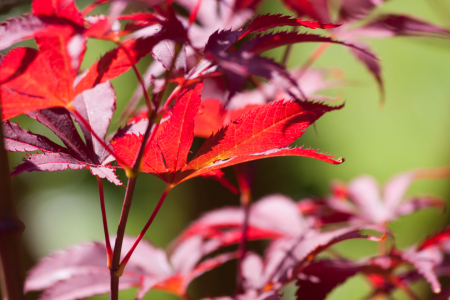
<point>40,80</point>
<point>211,55</point>
<point>262,132</point>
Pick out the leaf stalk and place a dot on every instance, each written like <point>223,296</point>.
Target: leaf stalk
<point>109,252</point>
<point>148,101</point>
<point>119,238</point>
<point>125,260</point>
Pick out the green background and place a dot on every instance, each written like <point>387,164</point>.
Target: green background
<point>409,132</point>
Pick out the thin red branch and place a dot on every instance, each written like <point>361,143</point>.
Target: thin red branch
<point>144,230</point>
<point>119,238</point>
<point>194,12</point>
<point>243,179</point>
<point>109,252</point>
<point>148,101</point>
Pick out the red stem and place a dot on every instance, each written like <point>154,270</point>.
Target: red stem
<point>90,7</point>
<point>287,52</point>
<point>313,57</point>
<point>242,248</point>
<point>148,101</point>
<point>194,12</point>
<point>109,252</point>
<point>243,178</point>
<point>171,97</point>
<point>119,239</point>
<point>132,174</point>
<point>144,230</point>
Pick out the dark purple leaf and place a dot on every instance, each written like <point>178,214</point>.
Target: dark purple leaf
<point>221,41</point>
<point>18,139</point>
<point>318,279</point>
<point>49,162</point>
<point>16,29</point>
<point>357,9</point>
<point>269,41</point>
<point>97,107</point>
<point>372,64</point>
<point>238,66</point>
<point>77,155</point>
<point>59,121</point>
<point>412,205</point>
<point>311,82</point>
<point>401,25</point>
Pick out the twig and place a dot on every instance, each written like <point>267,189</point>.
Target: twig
<point>109,252</point>
<point>144,230</point>
<point>119,239</point>
<point>243,179</point>
<point>148,101</point>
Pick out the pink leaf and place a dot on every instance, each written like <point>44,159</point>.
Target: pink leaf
<point>273,40</point>
<point>18,139</point>
<point>357,9</point>
<point>17,29</point>
<point>48,162</point>
<point>401,25</point>
<point>106,172</point>
<point>164,52</point>
<point>97,107</point>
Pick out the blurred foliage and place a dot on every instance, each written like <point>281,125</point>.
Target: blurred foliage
<point>410,131</point>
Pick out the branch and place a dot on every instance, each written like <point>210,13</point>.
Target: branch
<point>109,252</point>
<point>144,230</point>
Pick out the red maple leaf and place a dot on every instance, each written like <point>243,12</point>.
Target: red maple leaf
<point>266,131</point>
